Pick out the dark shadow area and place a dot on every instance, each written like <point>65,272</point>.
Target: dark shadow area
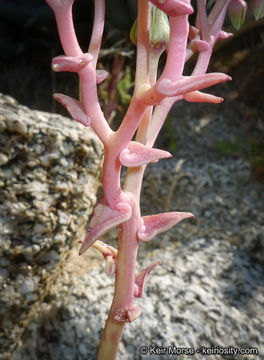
<point>46,332</point>
<point>248,277</point>
<point>29,40</point>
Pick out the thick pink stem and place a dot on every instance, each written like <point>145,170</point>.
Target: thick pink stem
<point>216,10</point>
<point>98,28</point>
<point>179,29</point>
<point>66,31</point>
<point>77,60</point>
<point>91,103</point>
<point>209,33</point>
<point>118,142</point>
<point>124,289</point>
<point>159,116</point>
<point>202,20</point>
<point>142,65</point>
<point>218,24</point>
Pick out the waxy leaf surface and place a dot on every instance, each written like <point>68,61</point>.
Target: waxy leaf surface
<point>70,63</point>
<point>104,219</point>
<point>190,83</point>
<point>74,107</point>
<point>101,75</point>
<point>138,154</point>
<point>156,224</point>
<point>198,96</point>
<point>141,279</point>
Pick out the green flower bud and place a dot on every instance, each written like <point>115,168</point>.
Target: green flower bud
<point>133,33</point>
<point>159,29</point>
<point>258,8</point>
<point>237,12</point>
<point>159,33</point>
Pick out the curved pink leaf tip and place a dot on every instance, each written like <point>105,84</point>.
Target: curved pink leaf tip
<point>104,219</point>
<point>223,35</point>
<point>74,107</point>
<point>174,7</point>
<point>190,83</point>
<point>193,31</point>
<point>101,75</point>
<point>70,63</point>
<point>138,154</point>
<point>198,96</point>
<point>141,279</point>
<point>156,224</point>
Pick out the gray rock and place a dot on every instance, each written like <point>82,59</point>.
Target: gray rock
<point>45,205</point>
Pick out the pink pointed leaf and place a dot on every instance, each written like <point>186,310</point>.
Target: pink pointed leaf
<point>70,63</point>
<point>190,83</point>
<point>138,154</point>
<point>104,219</point>
<point>174,7</point>
<point>141,279</point>
<point>156,224</point>
<point>74,107</point>
<point>224,35</point>
<point>193,31</point>
<point>101,75</point>
<point>198,96</point>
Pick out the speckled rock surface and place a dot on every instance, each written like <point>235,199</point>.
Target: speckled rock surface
<point>49,170</point>
<point>204,293</point>
<point>226,201</point>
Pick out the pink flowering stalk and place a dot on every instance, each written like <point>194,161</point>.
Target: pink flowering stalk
<point>162,25</point>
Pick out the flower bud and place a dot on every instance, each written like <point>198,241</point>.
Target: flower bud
<point>159,33</point>
<point>258,8</point>
<point>133,33</point>
<point>237,12</point>
<point>159,28</point>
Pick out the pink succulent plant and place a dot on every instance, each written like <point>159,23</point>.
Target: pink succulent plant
<point>150,104</point>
